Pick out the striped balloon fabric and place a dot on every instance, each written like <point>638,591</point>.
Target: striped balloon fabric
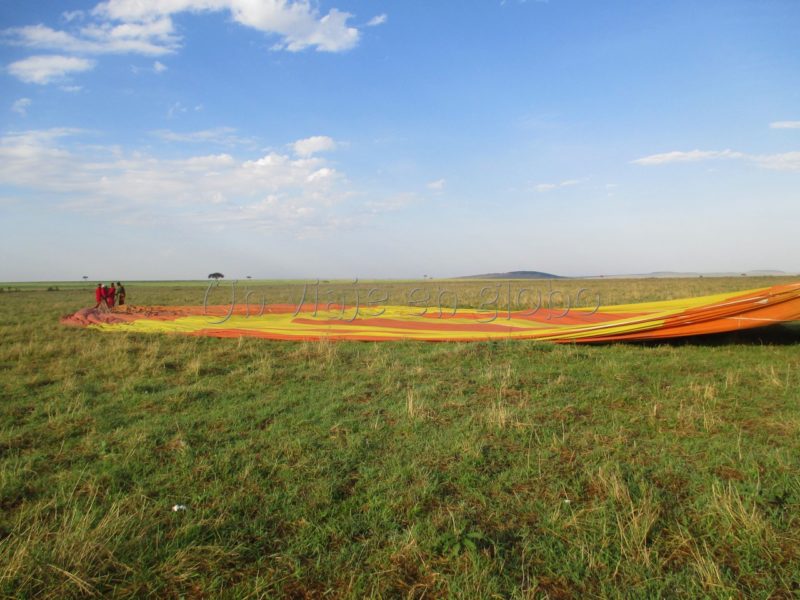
<point>643,321</point>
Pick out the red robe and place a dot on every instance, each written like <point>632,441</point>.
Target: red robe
<point>98,295</point>
<point>110,294</point>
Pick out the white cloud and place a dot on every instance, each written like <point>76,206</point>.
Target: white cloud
<point>33,155</point>
<point>224,136</point>
<point>377,20</point>
<point>549,187</point>
<point>176,109</point>
<point>785,125</point>
<point>72,15</point>
<point>437,185</point>
<point>21,106</point>
<point>271,191</point>
<point>690,156</point>
<point>299,23</point>
<point>786,161</point>
<point>153,38</point>
<point>48,68</point>
<point>146,27</point>
<point>392,203</point>
<point>313,145</point>
<point>321,174</point>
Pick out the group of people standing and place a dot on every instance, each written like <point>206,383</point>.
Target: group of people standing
<point>109,295</point>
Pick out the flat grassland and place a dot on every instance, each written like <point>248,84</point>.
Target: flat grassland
<point>491,469</point>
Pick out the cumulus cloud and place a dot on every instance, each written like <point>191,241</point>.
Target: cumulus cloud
<point>785,125</point>
<point>313,145</point>
<point>274,191</point>
<point>786,161</point>
<point>21,106</point>
<point>146,26</point>
<point>48,68</point>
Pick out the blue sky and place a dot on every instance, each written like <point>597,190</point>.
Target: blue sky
<point>148,139</point>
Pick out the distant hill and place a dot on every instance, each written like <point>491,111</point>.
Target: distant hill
<point>766,272</point>
<point>655,274</point>
<point>514,275</point>
<point>680,274</point>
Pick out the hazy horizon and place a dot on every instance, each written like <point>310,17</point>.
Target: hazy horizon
<point>245,278</point>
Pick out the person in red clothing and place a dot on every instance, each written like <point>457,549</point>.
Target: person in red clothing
<point>99,295</point>
<point>120,294</point>
<point>111,295</point>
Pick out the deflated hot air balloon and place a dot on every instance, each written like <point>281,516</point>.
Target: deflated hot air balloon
<point>643,321</point>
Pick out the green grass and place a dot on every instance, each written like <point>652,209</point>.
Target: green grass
<point>503,469</point>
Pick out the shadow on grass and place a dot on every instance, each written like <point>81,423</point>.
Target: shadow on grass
<point>774,335</point>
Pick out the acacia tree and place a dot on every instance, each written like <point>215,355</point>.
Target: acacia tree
<point>216,276</point>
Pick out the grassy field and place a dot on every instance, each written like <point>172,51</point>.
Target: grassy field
<point>502,469</point>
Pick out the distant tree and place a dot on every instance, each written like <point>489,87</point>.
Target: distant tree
<point>249,276</point>
<point>216,276</point>
<point>85,277</point>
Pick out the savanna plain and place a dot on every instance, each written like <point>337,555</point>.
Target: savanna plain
<point>184,467</point>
